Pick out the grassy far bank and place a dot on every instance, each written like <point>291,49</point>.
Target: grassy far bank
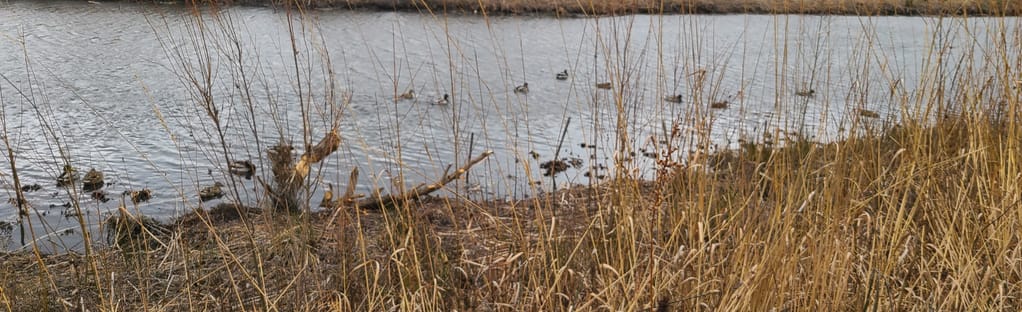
<point>610,7</point>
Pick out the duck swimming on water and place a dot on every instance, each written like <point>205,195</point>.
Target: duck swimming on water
<point>67,177</point>
<point>410,94</point>
<point>562,75</point>
<point>444,101</point>
<point>93,180</point>
<point>244,168</point>
<point>524,88</point>
<point>806,93</point>
<point>673,98</point>
<point>211,192</point>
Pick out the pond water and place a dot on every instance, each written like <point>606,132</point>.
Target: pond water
<point>112,86</point>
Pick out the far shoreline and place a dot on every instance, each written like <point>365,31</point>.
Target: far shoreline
<point>571,8</point>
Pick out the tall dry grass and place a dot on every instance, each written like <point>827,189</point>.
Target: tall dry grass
<point>920,212</point>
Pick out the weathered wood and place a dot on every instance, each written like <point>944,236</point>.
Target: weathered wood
<point>349,193</point>
<point>380,201</point>
<point>321,150</point>
<point>288,178</point>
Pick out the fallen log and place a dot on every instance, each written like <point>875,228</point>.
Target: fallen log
<point>379,201</point>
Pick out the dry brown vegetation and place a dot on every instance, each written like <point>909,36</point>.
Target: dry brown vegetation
<point>922,214</point>
<point>915,217</point>
<point>603,7</point>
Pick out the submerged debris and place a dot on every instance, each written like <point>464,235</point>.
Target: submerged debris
<point>553,167</point>
<point>575,162</point>
<point>100,196</point>
<point>31,187</point>
<point>139,196</point>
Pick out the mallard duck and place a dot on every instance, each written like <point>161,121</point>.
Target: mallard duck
<point>211,192</point>
<point>603,85</point>
<point>139,196</point>
<point>242,168</point>
<point>328,196</point>
<point>407,95</point>
<point>93,180</point>
<point>444,101</point>
<point>719,104</point>
<point>867,113</point>
<point>68,177</point>
<point>673,98</point>
<point>562,75</point>
<point>806,93</point>
<point>524,88</point>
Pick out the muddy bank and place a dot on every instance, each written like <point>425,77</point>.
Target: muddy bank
<point>306,260</point>
<point>613,7</point>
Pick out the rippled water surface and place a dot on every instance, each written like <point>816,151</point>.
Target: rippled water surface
<point>109,86</point>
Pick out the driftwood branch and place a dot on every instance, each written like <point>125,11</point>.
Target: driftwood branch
<point>380,201</point>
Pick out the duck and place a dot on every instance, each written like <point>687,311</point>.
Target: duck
<point>328,196</point>
<point>410,94</point>
<point>93,180</point>
<point>806,93</point>
<point>867,113</point>
<point>444,101</point>
<point>139,196</point>
<point>67,177</point>
<point>673,98</point>
<point>562,75</point>
<point>720,104</point>
<point>244,168</point>
<point>603,85</point>
<point>211,192</point>
<point>524,88</point>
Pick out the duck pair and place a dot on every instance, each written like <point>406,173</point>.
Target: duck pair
<point>92,181</point>
<point>410,94</point>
